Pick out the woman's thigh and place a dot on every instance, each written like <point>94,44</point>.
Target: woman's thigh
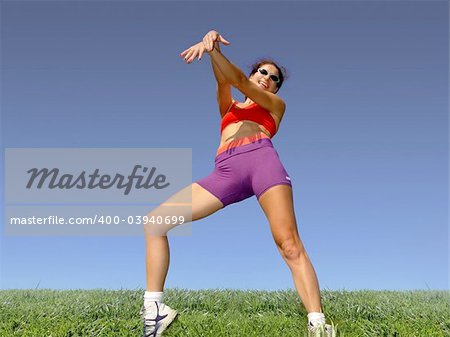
<point>203,202</point>
<point>278,206</point>
<point>189,204</point>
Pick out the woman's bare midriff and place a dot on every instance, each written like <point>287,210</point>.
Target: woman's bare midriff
<point>241,133</point>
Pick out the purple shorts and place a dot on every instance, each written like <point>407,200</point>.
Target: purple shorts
<point>243,171</point>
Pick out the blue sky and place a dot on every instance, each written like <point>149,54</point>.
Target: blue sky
<point>364,137</point>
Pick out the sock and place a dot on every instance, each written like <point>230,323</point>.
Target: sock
<point>152,296</point>
<point>316,319</point>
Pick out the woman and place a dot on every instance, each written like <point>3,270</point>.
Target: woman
<point>246,164</point>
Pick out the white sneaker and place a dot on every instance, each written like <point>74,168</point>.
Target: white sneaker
<point>323,330</point>
<point>156,319</point>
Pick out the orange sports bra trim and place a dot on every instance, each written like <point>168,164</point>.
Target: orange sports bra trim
<point>252,112</point>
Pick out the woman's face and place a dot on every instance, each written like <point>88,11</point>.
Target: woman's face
<point>265,82</point>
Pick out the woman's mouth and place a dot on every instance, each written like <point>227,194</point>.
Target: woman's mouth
<point>263,84</point>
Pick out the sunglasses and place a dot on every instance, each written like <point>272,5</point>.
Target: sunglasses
<point>273,77</point>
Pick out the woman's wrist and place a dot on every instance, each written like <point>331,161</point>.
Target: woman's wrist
<point>214,49</point>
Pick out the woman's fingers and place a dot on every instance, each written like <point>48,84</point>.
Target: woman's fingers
<point>201,53</point>
<point>214,37</point>
<point>222,39</point>
<point>186,55</point>
<point>199,49</point>
<point>210,39</point>
<point>189,55</point>
<point>193,56</point>
<point>208,43</point>
<point>184,52</point>
<point>205,42</point>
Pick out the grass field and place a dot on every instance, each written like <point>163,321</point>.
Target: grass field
<point>216,313</point>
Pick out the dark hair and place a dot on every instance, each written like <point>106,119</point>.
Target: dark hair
<point>281,70</point>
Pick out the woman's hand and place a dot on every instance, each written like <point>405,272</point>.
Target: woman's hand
<point>191,53</point>
<point>211,37</point>
<point>197,50</point>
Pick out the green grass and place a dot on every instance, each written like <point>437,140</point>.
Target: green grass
<point>216,313</point>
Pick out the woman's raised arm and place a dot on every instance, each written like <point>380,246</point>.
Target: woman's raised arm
<point>223,90</point>
<point>239,80</point>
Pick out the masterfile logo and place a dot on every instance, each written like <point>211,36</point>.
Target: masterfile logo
<point>140,177</point>
<point>95,175</point>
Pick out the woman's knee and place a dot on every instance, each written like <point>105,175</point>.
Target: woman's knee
<point>159,221</point>
<point>291,248</point>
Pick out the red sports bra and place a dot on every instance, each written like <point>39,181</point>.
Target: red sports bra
<point>252,112</point>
